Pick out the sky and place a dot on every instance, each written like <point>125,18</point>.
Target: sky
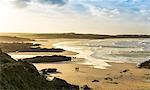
<point>79,16</point>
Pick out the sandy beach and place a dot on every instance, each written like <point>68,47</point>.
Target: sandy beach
<point>133,79</point>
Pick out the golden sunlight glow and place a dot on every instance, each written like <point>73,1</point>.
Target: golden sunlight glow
<point>6,12</point>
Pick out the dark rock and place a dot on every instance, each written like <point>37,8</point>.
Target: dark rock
<point>145,64</point>
<point>85,87</point>
<point>44,59</point>
<point>95,81</point>
<point>108,78</point>
<point>49,70</point>
<point>62,83</point>
<point>124,71</point>
<point>44,71</point>
<point>114,82</point>
<point>38,49</point>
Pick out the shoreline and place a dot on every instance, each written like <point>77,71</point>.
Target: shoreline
<point>55,43</point>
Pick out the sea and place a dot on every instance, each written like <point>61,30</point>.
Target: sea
<point>99,52</point>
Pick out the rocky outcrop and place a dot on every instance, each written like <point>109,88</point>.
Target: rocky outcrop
<point>38,49</point>
<point>44,59</point>
<point>145,64</point>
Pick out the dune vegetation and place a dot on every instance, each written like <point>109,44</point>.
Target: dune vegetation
<point>17,75</point>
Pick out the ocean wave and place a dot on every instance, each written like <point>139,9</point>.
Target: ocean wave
<point>99,52</point>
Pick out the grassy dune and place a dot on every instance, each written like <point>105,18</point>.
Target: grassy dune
<point>24,76</point>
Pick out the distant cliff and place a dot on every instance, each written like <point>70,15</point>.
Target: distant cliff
<point>83,36</point>
<point>72,36</point>
<point>24,76</point>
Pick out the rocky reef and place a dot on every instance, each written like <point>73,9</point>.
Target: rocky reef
<point>38,49</point>
<point>26,47</point>
<point>45,59</point>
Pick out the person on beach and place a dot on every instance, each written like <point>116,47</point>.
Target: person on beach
<point>77,69</point>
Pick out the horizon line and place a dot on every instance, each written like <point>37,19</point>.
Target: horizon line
<point>66,33</point>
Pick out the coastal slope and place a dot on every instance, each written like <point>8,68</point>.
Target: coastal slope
<point>15,75</point>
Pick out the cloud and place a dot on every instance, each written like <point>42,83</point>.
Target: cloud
<point>121,9</point>
<point>96,11</point>
<point>21,3</point>
<point>25,3</point>
<point>53,2</point>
